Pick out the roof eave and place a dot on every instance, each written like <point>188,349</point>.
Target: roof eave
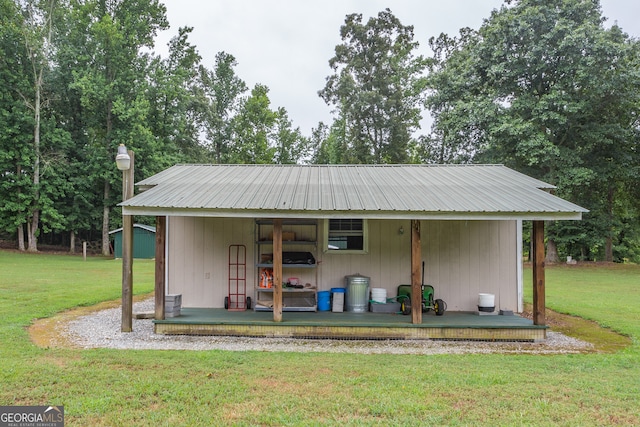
<point>407,215</point>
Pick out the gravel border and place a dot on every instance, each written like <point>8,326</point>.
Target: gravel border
<point>101,329</point>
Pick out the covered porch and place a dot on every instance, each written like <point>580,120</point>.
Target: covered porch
<point>476,213</point>
<point>455,325</point>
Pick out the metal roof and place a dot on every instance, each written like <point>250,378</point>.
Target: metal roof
<point>366,191</point>
<point>149,228</point>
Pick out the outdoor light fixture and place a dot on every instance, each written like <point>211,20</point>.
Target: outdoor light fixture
<point>123,160</point>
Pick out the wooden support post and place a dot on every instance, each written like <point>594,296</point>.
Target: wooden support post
<point>159,292</point>
<point>538,274</point>
<point>127,273</point>
<point>127,251</point>
<point>277,270</point>
<point>416,265</point>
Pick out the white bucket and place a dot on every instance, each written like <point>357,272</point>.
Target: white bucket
<point>486,301</point>
<point>379,295</point>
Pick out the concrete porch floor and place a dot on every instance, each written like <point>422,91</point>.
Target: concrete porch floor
<point>349,325</point>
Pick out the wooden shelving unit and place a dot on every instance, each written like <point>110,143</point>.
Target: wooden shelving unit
<point>300,239</point>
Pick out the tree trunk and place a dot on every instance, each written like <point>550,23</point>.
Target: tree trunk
<point>608,242</point>
<point>552,252</point>
<point>32,231</point>
<point>72,243</point>
<point>35,213</point>
<point>107,187</point>
<point>21,246</point>
<point>608,249</point>
<point>105,219</point>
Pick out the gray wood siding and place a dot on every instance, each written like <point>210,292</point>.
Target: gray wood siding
<point>465,258</point>
<point>199,255</point>
<point>462,259</point>
<point>387,262</point>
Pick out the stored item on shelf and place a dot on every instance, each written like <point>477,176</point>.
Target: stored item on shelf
<point>287,236</point>
<point>298,258</point>
<point>266,278</point>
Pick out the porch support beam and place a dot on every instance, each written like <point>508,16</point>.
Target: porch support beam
<point>277,270</point>
<point>538,274</point>
<point>159,291</point>
<point>416,264</point>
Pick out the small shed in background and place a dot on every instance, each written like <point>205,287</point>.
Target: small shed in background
<point>144,241</point>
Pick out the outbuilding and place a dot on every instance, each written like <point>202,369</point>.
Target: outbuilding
<point>455,227</point>
<point>144,241</point>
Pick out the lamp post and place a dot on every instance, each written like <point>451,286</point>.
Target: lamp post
<point>125,163</point>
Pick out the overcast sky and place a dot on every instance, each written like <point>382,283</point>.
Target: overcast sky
<point>286,44</point>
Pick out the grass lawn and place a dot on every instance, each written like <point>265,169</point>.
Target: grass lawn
<point>116,387</point>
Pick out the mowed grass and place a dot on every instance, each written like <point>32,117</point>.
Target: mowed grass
<point>591,290</point>
<point>113,387</point>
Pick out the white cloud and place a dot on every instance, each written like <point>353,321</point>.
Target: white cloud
<point>287,44</point>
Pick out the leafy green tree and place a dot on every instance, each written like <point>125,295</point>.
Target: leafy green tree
<point>458,107</point>
<point>110,74</point>
<point>544,88</point>
<point>377,87</point>
<point>329,144</point>
<point>37,32</point>
<point>175,105</point>
<point>318,144</point>
<point>67,162</point>
<point>32,166</point>
<point>16,123</point>
<point>253,129</point>
<point>291,146</point>
<point>221,92</point>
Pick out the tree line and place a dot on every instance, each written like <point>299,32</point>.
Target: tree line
<point>542,87</point>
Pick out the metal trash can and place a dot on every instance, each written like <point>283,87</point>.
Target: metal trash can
<point>357,293</point>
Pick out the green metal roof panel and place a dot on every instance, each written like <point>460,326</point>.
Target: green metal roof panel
<point>324,190</point>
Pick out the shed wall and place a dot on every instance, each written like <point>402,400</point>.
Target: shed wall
<point>465,258</point>
<point>144,244</point>
<point>462,258</point>
<point>198,257</point>
<point>387,263</point>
